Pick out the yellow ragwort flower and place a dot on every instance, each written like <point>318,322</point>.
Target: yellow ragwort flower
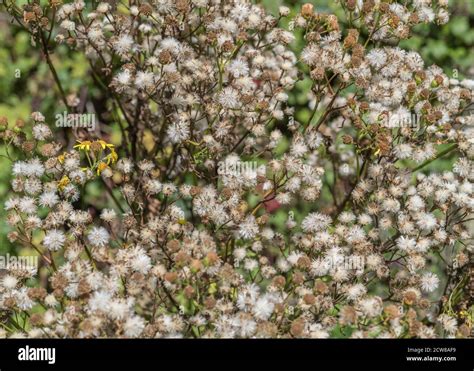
<point>101,167</point>
<point>112,157</point>
<point>84,145</point>
<point>63,182</point>
<point>105,145</point>
<point>61,158</point>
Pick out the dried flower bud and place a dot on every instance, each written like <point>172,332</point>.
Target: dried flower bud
<point>307,10</point>
<point>145,9</point>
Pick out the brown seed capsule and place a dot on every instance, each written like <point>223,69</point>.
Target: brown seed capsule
<point>211,37</point>
<point>411,314</point>
<point>59,281</point>
<point>431,118</point>
<point>28,146</point>
<point>209,303</point>
<point>353,32</point>
<point>182,5</point>
<point>44,21</point>
<point>195,191</point>
<point>58,293</point>
<point>9,303</point>
<point>262,220</point>
<point>414,327</point>
<point>358,51</point>
<point>364,106</point>
<point>37,293</point>
<point>262,105</point>
<point>348,315</point>
<point>12,236</point>
<point>465,94</point>
<point>196,265</point>
<point>29,17</point>
<point>37,10</point>
<point>356,61</point>
<point>420,76</point>
<point>307,10</point>
<point>349,42</point>
<point>409,298</point>
<point>173,245</point>
<point>171,276</point>
<point>48,150</point>
<point>347,139</point>
<point>384,7</point>
<point>394,20</point>
<point>392,311</point>
<point>309,299</point>
<point>55,3</point>
<point>83,287</point>
<point>242,36</point>
<point>426,107</point>
<point>96,146</point>
<point>279,308</point>
<point>317,73</point>
<point>298,278</point>
<point>464,331</point>
<point>247,98</point>
<point>145,9</point>
<point>297,327</point>
<point>212,258</point>
<point>165,57</point>
<point>333,22</point>
<point>228,46</point>
<point>424,304</point>
<point>404,32</point>
<point>279,281</point>
<point>447,127</point>
<point>36,319</point>
<point>414,19</point>
<point>189,292</point>
<point>383,143</point>
<point>368,6</point>
<point>182,258</point>
<point>313,36</point>
<point>320,287</point>
<point>425,94</point>
<point>303,262</point>
<point>439,79</point>
<point>351,5</point>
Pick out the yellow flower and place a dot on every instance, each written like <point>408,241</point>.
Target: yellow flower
<point>105,145</point>
<point>98,161</point>
<point>61,158</point>
<point>101,167</point>
<point>63,182</point>
<point>112,157</point>
<point>83,145</point>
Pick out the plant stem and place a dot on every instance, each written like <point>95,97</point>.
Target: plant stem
<point>441,154</point>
